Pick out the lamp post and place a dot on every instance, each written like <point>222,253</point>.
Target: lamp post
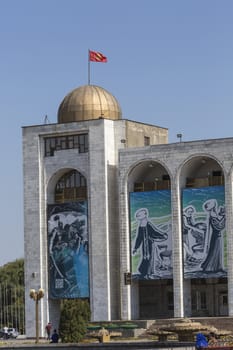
<point>179,136</point>
<point>36,296</point>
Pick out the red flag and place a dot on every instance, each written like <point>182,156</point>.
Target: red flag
<point>97,57</point>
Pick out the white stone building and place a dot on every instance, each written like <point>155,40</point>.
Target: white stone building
<point>83,178</point>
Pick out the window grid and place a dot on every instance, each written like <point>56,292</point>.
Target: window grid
<point>58,143</point>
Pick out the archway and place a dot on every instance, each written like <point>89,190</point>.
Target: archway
<point>204,236</point>
<point>68,236</point>
<point>151,240</point>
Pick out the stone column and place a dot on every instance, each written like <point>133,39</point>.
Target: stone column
<point>125,290</point>
<point>98,213</point>
<point>135,300</point>
<point>229,230</point>
<point>178,285</point>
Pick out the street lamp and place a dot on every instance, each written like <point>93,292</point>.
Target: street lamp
<point>179,136</point>
<point>36,296</point>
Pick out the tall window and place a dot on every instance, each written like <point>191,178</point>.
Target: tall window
<point>199,301</point>
<point>58,143</point>
<point>170,301</point>
<point>146,141</point>
<point>71,187</point>
<point>203,303</point>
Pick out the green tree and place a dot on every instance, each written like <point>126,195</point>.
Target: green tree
<point>75,314</point>
<point>12,295</point>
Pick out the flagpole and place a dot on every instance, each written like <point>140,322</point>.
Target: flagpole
<point>89,67</point>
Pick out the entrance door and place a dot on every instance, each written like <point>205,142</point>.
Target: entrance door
<point>223,304</point>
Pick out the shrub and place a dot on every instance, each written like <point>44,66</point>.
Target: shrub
<point>75,315</point>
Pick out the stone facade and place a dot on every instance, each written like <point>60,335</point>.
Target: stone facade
<point>117,158</point>
<point>176,159</point>
<point>100,168</point>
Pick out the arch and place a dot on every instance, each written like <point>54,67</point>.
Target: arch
<point>67,185</point>
<point>202,178</point>
<point>151,275</point>
<point>67,235</point>
<point>148,175</point>
<point>201,170</point>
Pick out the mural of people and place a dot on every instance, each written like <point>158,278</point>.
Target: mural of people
<point>147,236</point>
<point>204,232</point>
<point>193,236</point>
<point>213,244</point>
<point>165,255</point>
<point>68,250</point>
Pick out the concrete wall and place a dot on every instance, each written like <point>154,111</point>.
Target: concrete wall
<point>108,167</point>
<point>135,133</point>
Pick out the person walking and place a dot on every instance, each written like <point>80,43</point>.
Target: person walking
<point>48,329</point>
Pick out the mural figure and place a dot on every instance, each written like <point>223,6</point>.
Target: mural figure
<point>61,255</point>
<point>68,251</point>
<point>213,243</point>
<point>193,236</point>
<point>165,255</point>
<point>147,237</point>
<point>204,232</point>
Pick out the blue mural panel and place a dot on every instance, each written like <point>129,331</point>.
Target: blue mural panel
<point>68,250</point>
<point>204,234</point>
<point>151,235</point>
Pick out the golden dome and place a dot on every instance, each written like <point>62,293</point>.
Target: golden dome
<point>88,102</point>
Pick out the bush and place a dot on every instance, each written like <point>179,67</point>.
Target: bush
<point>75,315</point>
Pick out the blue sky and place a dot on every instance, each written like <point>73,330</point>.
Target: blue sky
<point>170,63</point>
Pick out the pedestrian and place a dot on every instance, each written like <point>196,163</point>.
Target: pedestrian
<point>55,337</point>
<point>48,329</point>
<point>6,335</point>
<point>201,341</point>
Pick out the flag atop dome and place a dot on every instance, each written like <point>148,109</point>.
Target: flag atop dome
<point>95,56</point>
